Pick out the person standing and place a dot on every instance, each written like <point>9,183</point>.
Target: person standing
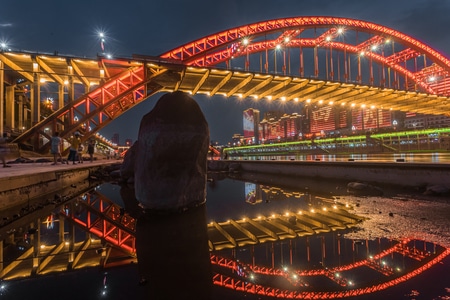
<point>90,150</point>
<point>75,142</point>
<point>56,148</point>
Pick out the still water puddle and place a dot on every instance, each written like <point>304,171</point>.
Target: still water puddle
<point>404,235</point>
<point>304,241</point>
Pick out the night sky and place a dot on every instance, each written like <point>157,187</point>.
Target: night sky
<point>154,27</point>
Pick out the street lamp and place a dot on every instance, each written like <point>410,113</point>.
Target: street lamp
<point>101,35</point>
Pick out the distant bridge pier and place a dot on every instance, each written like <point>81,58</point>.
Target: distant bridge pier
<point>2,97</point>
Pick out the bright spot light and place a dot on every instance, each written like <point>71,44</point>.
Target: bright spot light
<point>308,100</point>
<point>283,99</point>
<point>278,47</point>
<point>363,105</point>
<point>286,39</point>
<point>320,101</point>
<point>324,209</point>
<point>330,103</point>
<point>245,41</point>
<point>374,47</point>
<point>312,210</point>
<point>361,53</point>
<point>296,99</point>
<point>285,269</point>
<point>340,30</point>
<point>328,38</point>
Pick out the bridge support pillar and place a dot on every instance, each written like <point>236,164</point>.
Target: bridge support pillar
<point>1,255</point>
<point>9,117</point>
<point>2,97</point>
<point>35,103</point>
<point>60,97</point>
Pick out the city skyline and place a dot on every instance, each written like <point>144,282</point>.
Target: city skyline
<point>48,28</point>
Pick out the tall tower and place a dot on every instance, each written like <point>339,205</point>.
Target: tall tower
<point>251,124</point>
<point>115,138</point>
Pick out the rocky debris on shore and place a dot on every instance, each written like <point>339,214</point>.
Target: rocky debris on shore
<point>363,189</point>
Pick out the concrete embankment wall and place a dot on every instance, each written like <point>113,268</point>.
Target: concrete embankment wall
<point>19,190</point>
<point>395,173</point>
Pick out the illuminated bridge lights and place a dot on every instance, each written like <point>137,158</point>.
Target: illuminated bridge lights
<point>345,145</point>
<point>254,288</point>
<point>212,65</point>
<point>104,219</point>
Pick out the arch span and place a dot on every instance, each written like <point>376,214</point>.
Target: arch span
<point>394,51</point>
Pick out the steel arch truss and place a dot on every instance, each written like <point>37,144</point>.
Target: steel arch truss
<point>94,110</point>
<point>106,220</point>
<point>221,47</point>
<point>246,285</point>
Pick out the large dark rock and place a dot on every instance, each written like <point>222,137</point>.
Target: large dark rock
<point>170,163</point>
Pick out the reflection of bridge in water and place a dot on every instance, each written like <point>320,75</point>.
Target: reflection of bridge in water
<point>109,241</point>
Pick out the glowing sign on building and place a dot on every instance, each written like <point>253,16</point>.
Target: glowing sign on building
<point>249,123</point>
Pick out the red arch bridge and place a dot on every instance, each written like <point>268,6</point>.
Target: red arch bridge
<point>317,61</point>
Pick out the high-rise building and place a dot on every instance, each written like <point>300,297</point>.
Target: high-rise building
<point>251,125</point>
<point>421,121</point>
<point>115,139</point>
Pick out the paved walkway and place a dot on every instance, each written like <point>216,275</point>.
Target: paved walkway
<point>20,169</point>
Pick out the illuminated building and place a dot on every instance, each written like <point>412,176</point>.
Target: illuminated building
<point>323,121</point>
<point>420,121</point>
<point>115,139</point>
<point>251,125</point>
